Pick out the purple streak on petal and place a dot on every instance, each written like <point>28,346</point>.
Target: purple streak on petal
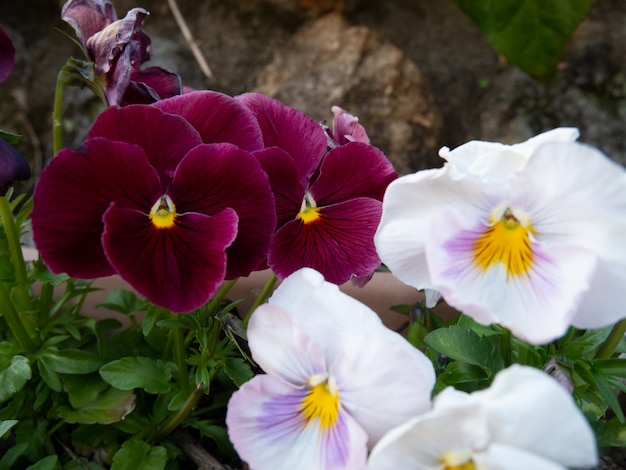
<point>287,128</point>
<point>340,244</point>
<point>164,137</point>
<point>352,170</point>
<point>213,177</point>
<point>13,166</point>
<point>178,268</point>
<point>73,193</point>
<point>217,117</point>
<point>106,45</point>
<point>87,17</point>
<point>7,55</point>
<point>283,174</point>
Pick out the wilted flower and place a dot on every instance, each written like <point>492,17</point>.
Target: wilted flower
<point>529,236</point>
<point>346,128</point>
<point>328,203</point>
<point>118,48</point>
<point>147,199</point>
<point>337,380</point>
<point>525,420</point>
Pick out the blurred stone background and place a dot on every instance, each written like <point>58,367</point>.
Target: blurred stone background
<point>418,73</point>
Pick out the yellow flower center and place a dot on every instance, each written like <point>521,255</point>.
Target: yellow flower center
<point>506,241</point>
<point>163,213</point>
<point>458,461</point>
<point>322,401</point>
<point>466,466</point>
<point>309,212</point>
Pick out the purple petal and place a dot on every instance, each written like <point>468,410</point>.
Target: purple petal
<point>7,55</point>
<point>152,84</point>
<point>117,79</point>
<point>217,117</point>
<point>352,170</point>
<point>13,167</point>
<point>346,128</point>
<point>87,17</point>
<point>105,45</point>
<point>165,138</point>
<point>283,174</point>
<point>296,133</point>
<point>73,193</point>
<point>177,268</point>
<point>213,177</point>
<point>339,244</point>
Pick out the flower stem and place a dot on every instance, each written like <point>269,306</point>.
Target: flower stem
<point>217,298</point>
<point>13,237</point>
<point>265,293</point>
<point>15,323</point>
<point>607,348</point>
<point>180,356</point>
<point>57,115</point>
<point>505,345</point>
<point>175,420</point>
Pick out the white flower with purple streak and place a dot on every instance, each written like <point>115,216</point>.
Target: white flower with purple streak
<point>336,380</point>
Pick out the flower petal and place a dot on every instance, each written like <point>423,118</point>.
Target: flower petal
<point>293,131</point>
<point>381,381</point>
<point>268,430</point>
<point>537,305</point>
<point>530,410</point>
<point>87,17</point>
<point>177,268</point>
<point>166,138</point>
<point>163,83</point>
<point>217,117</point>
<point>75,190</point>
<point>339,243</point>
<point>352,170</point>
<point>7,55</point>
<point>213,177</point>
<point>507,457</point>
<point>346,128</point>
<point>13,166</point>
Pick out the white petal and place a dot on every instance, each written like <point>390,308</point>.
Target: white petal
<point>266,427</point>
<point>409,206</point>
<point>432,297</point>
<point>528,409</point>
<point>537,306</point>
<point>382,380</point>
<point>423,441</point>
<point>505,457</point>
<point>321,310</point>
<point>587,194</point>
<point>282,348</point>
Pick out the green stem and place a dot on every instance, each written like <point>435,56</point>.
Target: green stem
<point>505,345</point>
<point>175,420</point>
<point>13,237</point>
<point>179,357</point>
<point>57,115</point>
<point>221,293</point>
<point>15,323</point>
<point>607,348</point>
<point>265,293</point>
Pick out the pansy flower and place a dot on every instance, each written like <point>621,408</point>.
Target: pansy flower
<point>525,420</point>
<point>529,236</point>
<point>328,202</point>
<point>336,380</point>
<point>147,199</point>
<point>346,128</point>
<point>118,48</point>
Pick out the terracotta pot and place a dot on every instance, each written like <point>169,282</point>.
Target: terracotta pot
<point>382,292</point>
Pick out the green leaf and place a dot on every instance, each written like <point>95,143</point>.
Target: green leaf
<point>71,361</point>
<point>128,373</point>
<point>123,301</point>
<point>215,432</point>
<point>611,367</point>
<point>136,454</point>
<point>11,455</point>
<point>10,138</point>
<point>466,346</point>
<point>5,426</point>
<point>462,372</point>
<point>109,406</point>
<point>238,370</point>
<point>51,378</point>
<point>47,463</point>
<point>531,34</point>
<point>14,377</point>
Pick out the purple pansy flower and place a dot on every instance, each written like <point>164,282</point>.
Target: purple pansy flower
<point>145,198</point>
<point>328,202</point>
<point>118,48</point>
